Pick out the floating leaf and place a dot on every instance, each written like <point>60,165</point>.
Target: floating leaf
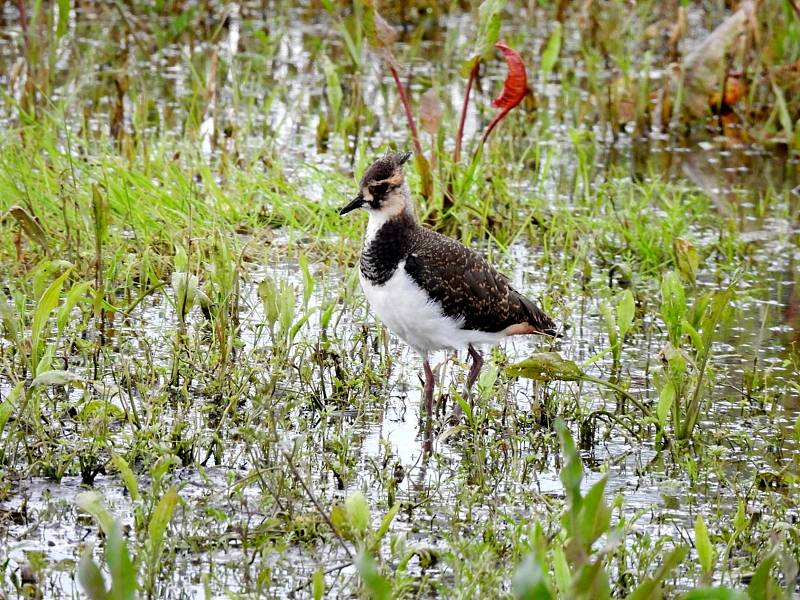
<point>546,366</point>
<point>56,377</point>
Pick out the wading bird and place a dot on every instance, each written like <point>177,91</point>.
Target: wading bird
<point>432,291</point>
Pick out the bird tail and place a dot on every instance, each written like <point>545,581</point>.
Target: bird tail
<point>539,319</point>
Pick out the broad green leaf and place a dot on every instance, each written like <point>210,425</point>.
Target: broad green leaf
<point>666,399</point>
<point>762,585</point>
<point>8,405</point>
<point>92,503</point>
<point>9,319</point>
<point>571,473</point>
<point>385,524</point>
<point>318,585</point>
<point>127,475</point>
<point>740,520</point>
<point>75,295</point>
<point>550,52</point>
<point>672,560</point>
<point>591,582</point>
<point>339,518</point>
<point>705,551</point>
<point>159,521</point>
<point>783,111</point>
<point>530,580</point>
<point>673,305</point>
<point>488,34</point>
<point>268,292</point>
<point>378,587</point>
<point>120,565</point>
<point>63,18</point>
<point>561,571</point>
<point>610,322</point>
<point>626,309</point>
<point>47,303</point>
<point>357,512</point>
<point>90,577</point>
<point>595,516</point>
<point>308,279</point>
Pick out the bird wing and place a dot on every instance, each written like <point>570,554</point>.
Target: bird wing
<point>468,287</point>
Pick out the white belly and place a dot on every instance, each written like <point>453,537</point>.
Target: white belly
<point>408,312</point>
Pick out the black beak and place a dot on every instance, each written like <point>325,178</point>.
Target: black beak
<point>355,203</point>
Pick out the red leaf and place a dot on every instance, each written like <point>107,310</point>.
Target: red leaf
<point>515,87</point>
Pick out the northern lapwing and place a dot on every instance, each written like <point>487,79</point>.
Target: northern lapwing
<point>432,291</point>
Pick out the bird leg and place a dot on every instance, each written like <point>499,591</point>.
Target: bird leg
<point>428,389</point>
<point>474,370</point>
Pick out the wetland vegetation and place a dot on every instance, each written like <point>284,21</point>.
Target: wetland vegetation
<point>195,400</point>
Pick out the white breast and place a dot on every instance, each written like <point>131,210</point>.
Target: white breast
<point>409,313</point>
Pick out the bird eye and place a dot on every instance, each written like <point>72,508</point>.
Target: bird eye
<point>379,189</point>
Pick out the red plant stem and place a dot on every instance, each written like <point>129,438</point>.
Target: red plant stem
<point>407,107</point>
<point>500,116</point>
<point>472,75</point>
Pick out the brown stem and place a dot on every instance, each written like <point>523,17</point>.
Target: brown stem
<point>459,136</point>
<point>795,7</point>
<point>23,22</point>
<point>406,105</point>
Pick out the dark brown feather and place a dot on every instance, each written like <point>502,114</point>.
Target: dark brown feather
<point>456,277</point>
<point>467,286</point>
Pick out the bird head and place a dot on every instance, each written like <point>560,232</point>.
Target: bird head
<point>383,186</point>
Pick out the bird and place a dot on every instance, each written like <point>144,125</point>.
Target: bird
<point>430,290</point>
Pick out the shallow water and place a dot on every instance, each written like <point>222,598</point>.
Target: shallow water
<point>348,439</point>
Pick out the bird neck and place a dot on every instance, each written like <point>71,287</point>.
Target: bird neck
<point>396,210</point>
<point>388,241</point>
